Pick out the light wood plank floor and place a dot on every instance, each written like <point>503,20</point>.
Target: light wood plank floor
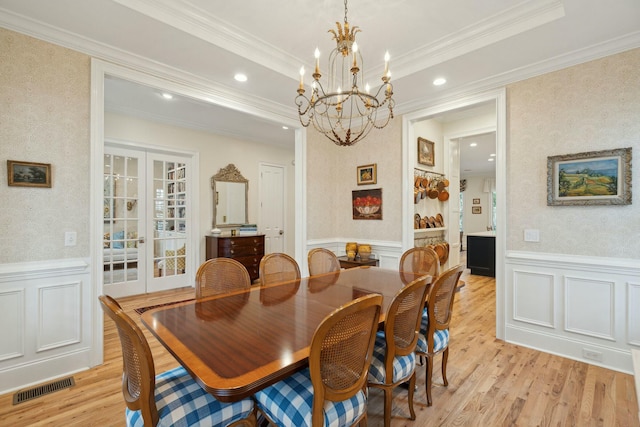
<point>491,383</point>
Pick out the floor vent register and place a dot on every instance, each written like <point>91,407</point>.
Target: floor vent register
<point>41,390</point>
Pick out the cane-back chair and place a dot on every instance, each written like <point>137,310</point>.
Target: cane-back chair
<point>332,390</point>
<point>434,329</point>
<point>220,276</point>
<point>321,260</point>
<point>172,398</point>
<point>394,358</point>
<point>278,267</point>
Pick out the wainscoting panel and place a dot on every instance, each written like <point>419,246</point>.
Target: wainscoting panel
<point>47,321</point>
<point>633,308</point>
<point>582,308</point>
<point>533,298</point>
<point>589,307</point>
<point>12,313</point>
<point>59,315</point>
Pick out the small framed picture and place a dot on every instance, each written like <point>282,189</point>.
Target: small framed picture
<point>367,174</point>
<point>28,174</point>
<point>425,152</point>
<point>476,209</point>
<point>476,201</point>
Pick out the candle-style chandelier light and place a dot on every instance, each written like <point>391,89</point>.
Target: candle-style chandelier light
<point>345,111</point>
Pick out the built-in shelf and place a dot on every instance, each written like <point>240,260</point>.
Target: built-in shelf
<point>428,230</point>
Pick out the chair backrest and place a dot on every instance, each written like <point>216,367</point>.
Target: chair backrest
<point>341,352</point>
<point>278,267</point>
<point>422,260</point>
<point>220,276</point>
<point>139,376</point>
<point>440,303</point>
<point>321,261</point>
<point>402,322</point>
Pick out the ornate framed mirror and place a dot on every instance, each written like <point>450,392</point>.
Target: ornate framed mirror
<point>230,197</point>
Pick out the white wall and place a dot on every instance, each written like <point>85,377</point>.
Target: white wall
<point>475,190</point>
<point>576,291</point>
<point>215,152</point>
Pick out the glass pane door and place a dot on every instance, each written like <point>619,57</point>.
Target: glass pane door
<point>123,245</point>
<point>170,222</point>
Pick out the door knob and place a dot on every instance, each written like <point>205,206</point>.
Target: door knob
<point>281,232</point>
<point>141,240</point>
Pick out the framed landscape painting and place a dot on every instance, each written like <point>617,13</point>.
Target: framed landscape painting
<point>590,178</point>
<point>28,174</point>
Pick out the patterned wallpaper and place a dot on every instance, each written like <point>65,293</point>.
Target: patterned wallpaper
<point>44,117</point>
<point>588,107</point>
<point>331,177</point>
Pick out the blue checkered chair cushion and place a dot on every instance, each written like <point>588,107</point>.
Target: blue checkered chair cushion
<point>441,337</point>
<point>403,366</point>
<point>288,403</point>
<point>182,402</point>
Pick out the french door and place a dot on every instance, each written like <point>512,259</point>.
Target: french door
<point>146,221</point>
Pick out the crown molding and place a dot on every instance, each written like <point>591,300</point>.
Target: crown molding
<point>195,86</point>
<point>510,22</point>
<point>601,50</point>
<point>199,23</point>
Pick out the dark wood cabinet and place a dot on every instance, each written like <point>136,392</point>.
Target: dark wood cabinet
<point>248,250</point>
<point>345,262</point>
<point>481,255</point>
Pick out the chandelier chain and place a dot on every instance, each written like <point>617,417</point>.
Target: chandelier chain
<point>345,11</point>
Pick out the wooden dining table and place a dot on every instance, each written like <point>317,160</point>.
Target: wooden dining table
<point>236,344</point>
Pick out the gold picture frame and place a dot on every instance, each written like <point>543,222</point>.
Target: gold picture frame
<point>28,174</point>
<point>426,152</point>
<point>367,174</point>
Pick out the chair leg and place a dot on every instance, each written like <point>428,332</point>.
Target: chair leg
<point>445,357</point>
<point>428,378</point>
<point>388,398</point>
<point>412,386</point>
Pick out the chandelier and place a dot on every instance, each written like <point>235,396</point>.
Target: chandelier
<point>345,110</point>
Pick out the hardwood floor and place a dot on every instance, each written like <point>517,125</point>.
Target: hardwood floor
<point>491,382</point>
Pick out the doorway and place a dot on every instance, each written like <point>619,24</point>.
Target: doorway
<point>498,99</point>
<point>147,219</point>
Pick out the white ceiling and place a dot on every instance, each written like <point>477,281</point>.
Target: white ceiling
<point>475,45</point>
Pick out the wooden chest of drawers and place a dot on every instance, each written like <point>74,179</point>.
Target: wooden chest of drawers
<point>248,250</point>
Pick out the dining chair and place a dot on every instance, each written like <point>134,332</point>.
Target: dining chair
<point>332,390</point>
<point>423,260</point>
<point>321,260</point>
<point>434,328</point>
<point>394,358</point>
<point>220,276</point>
<point>278,267</point>
<point>172,397</point>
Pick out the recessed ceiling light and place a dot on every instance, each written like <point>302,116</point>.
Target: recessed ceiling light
<point>491,159</point>
<point>285,127</point>
<point>467,170</point>
<point>166,95</point>
<point>439,81</point>
<point>240,77</point>
<point>492,154</point>
<point>473,144</point>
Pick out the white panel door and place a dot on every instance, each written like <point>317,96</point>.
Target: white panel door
<point>272,207</point>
